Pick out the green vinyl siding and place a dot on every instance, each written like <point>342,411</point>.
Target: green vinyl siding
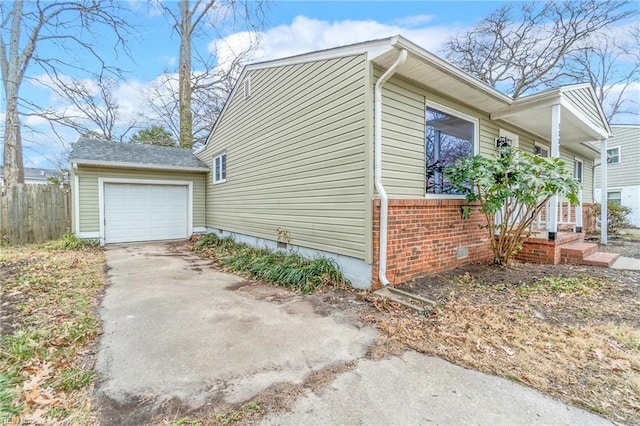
<point>582,101</point>
<point>87,191</point>
<point>296,157</point>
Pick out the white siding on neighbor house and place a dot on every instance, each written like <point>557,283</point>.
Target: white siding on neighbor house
<point>87,191</point>
<point>624,177</point>
<point>627,171</point>
<point>296,158</point>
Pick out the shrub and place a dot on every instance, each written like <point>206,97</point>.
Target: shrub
<point>69,241</point>
<point>514,185</point>
<point>289,270</point>
<point>617,215</point>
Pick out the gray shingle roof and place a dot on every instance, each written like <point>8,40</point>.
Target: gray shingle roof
<point>35,173</point>
<point>95,151</point>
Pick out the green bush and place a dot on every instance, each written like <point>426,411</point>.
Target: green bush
<point>289,270</point>
<point>70,242</point>
<point>617,216</point>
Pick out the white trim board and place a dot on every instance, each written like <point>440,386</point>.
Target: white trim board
<point>103,181</point>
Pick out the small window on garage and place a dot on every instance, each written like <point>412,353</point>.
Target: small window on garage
<point>220,168</point>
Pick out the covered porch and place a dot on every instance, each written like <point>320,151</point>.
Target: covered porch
<point>568,117</point>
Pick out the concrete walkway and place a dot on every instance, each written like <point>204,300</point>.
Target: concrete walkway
<point>626,264</point>
<point>180,333</point>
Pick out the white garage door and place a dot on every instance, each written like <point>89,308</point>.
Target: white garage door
<point>137,212</point>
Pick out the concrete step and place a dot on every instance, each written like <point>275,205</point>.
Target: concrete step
<point>600,259</point>
<point>576,251</point>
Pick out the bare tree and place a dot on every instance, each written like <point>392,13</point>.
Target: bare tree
<point>209,91</point>
<point>64,25</point>
<point>611,63</point>
<point>520,51</point>
<point>189,21</point>
<point>90,107</point>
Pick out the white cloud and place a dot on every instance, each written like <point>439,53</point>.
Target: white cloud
<point>414,20</point>
<point>307,34</point>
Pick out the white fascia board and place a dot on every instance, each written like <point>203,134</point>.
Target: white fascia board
<point>374,47</point>
<point>527,104</point>
<point>371,48</point>
<point>402,43</point>
<point>137,166</point>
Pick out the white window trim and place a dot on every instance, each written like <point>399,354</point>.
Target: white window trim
<point>213,174</point>
<point>102,181</point>
<point>476,142</point>
<point>619,154</point>
<point>543,146</point>
<point>578,160</point>
<point>515,138</point>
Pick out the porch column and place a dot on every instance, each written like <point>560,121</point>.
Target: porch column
<point>604,214</point>
<point>552,216</point>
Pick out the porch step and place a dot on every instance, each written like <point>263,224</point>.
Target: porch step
<point>586,254</point>
<point>601,259</point>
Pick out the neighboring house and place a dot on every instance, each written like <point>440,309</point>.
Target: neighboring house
<point>34,175</point>
<point>623,170</point>
<point>309,153</point>
<point>124,192</point>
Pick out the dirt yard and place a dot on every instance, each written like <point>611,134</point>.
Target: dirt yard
<point>570,331</point>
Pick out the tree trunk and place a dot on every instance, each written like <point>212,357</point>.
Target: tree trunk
<point>11,78</point>
<point>184,75</point>
<point>12,158</point>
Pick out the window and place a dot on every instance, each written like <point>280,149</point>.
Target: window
<point>507,138</point>
<point>449,136</point>
<point>578,168</point>
<point>220,168</point>
<point>613,155</point>
<point>614,197</point>
<point>541,150</point>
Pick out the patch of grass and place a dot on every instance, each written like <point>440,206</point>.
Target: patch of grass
<point>233,416</point>
<point>69,241</point>
<point>52,294</point>
<point>289,270</point>
<point>74,378</point>
<point>9,392</point>
<point>582,284</point>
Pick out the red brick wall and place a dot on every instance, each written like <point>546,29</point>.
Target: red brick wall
<point>424,234</point>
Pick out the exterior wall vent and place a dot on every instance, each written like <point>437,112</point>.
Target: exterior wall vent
<point>247,88</point>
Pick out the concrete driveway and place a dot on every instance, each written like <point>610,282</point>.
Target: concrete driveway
<point>181,337</point>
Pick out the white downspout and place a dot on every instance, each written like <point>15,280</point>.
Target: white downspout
<point>384,199</point>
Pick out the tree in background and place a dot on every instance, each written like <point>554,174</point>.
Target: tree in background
<point>25,27</point>
<point>522,47</point>
<point>209,85</point>
<point>90,107</point>
<point>154,135</point>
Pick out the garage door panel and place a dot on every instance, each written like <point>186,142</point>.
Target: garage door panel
<point>145,212</point>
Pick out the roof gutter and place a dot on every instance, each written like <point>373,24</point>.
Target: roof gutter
<point>123,165</point>
<point>384,198</point>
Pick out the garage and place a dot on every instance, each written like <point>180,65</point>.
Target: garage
<point>145,212</point>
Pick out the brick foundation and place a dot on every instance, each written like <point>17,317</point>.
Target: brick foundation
<point>424,236</point>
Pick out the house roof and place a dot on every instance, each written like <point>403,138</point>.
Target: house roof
<point>434,73</point>
<point>130,155</point>
<point>35,173</point>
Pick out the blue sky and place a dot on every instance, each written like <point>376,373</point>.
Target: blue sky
<point>291,27</point>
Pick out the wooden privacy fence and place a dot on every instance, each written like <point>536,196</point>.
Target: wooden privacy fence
<point>32,213</point>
